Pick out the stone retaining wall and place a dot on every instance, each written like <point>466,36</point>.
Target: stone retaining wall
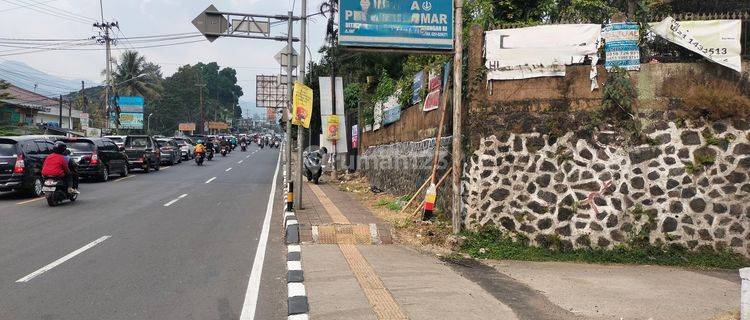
<point>593,193</point>
<point>402,167</point>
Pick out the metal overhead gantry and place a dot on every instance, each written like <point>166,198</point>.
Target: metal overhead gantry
<point>213,24</point>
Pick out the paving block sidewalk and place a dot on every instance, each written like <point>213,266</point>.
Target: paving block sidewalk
<point>346,279</point>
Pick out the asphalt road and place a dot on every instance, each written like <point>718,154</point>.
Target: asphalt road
<point>174,244</point>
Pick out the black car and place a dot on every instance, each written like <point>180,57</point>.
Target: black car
<point>97,157</point>
<point>170,151</point>
<point>143,153</point>
<point>21,160</point>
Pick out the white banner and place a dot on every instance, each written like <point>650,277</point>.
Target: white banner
<point>717,40</point>
<point>325,95</point>
<point>540,51</point>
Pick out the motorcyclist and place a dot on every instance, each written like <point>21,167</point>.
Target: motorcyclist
<point>200,148</point>
<point>57,165</point>
<point>209,145</point>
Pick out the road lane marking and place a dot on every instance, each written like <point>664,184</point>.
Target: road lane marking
<point>253,284</point>
<point>240,162</point>
<point>227,170</point>
<point>247,157</point>
<point>123,178</point>
<point>30,201</point>
<point>175,200</point>
<point>209,180</point>
<point>165,168</point>
<point>61,260</point>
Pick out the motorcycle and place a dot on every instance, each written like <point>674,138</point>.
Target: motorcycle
<point>313,164</point>
<point>243,147</point>
<point>210,155</point>
<point>56,191</point>
<point>199,158</point>
<point>223,151</point>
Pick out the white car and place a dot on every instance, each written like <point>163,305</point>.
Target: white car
<point>187,147</point>
<point>118,140</point>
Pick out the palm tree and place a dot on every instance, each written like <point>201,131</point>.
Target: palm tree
<point>133,75</point>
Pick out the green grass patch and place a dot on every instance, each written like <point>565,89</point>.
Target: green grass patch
<point>491,243</point>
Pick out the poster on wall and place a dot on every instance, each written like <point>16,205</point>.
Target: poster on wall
<point>416,87</point>
<point>432,101</point>
<point>717,40</point>
<point>404,24</point>
<point>355,136</point>
<point>621,46</point>
<point>392,109</point>
<point>539,51</point>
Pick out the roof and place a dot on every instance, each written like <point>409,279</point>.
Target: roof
<point>26,98</point>
<point>22,103</point>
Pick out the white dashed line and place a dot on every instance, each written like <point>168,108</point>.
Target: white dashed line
<point>240,162</point>
<point>62,260</point>
<point>227,170</point>
<point>247,157</point>
<point>209,180</point>
<point>175,200</point>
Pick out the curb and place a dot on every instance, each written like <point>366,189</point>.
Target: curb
<point>297,304</point>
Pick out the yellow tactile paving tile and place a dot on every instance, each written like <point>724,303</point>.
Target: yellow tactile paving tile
<point>381,300</point>
<point>333,211</point>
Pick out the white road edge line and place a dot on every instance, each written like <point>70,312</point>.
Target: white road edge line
<point>240,162</point>
<point>253,284</point>
<point>228,169</point>
<point>209,180</point>
<point>175,200</point>
<point>61,260</point>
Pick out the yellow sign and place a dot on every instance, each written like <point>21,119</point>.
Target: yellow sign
<point>190,126</point>
<point>218,125</point>
<point>302,103</point>
<point>332,131</point>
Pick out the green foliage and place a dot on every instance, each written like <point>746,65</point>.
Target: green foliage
<point>618,94</point>
<point>4,85</point>
<point>492,243</point>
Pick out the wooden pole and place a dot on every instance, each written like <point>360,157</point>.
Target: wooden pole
<point>436,155</point>
<point>442,179</point>
<point>457,80</point>
<point>416,194</point>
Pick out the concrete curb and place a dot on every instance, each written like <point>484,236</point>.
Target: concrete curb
<point>297,304</point>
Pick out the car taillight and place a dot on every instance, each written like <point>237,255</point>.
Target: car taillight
<point>142,159</point>
<point>20,165</point>
<point>94,159</point>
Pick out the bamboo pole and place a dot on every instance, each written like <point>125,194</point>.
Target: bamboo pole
<point>416,194</point>
<point>445,175</point>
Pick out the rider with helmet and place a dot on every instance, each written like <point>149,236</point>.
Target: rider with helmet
<point>59,165</point>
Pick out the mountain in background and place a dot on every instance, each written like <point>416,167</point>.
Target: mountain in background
<point>249,108</point>
<point>24,76</point>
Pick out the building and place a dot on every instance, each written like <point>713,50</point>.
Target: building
<point>23,107</point>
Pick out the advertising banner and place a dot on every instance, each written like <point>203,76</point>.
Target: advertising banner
<point>131,113</point>
<point>621,46</point>
<point>540,51</point>
<point>717,40</point>
<point>355,136</point>
<point>432,101</point>
<point>391,109</point>
<point>342,144</point>
<point>302,105</point>
<point>409,24</point>
<point>332,127</point>
<point>130,104</point>
<point>416,87</point>
<point>131,121</point>
<point>190,126</point>
<point>218,125</point>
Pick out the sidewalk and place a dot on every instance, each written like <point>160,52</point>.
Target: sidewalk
<point>353,271</point>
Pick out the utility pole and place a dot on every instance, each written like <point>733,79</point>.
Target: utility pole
<point>300,128</point>
<point>332,11</point>
<point>457,88</point>
<point>105,26</point>
<point>290,92</point>
<point>202,126</point>
<point>60,120</point>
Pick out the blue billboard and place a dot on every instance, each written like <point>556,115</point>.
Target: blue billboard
<point>131,113</point>
<point>406,24</point>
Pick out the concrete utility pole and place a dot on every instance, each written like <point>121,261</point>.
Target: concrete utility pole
<point>202,128</point>
<point>300,128</point>
<point>60,120</point>
<point>105,26</point>
<point>290,92</point>
<point>334,174</point>
<point>457,85</point>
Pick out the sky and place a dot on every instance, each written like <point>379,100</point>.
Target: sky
<point>31,19</point>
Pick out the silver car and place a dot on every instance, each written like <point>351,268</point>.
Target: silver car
<point>187,147</point>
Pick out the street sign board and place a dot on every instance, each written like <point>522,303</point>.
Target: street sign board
<point>218,125</point>
<point>251,26</point>
<point>282,57</point>
<point>210,23</point>
<point>189,126</point>
<point>400,24</point>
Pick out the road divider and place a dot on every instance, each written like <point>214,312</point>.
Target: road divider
<point>61,260</point>
<point>210,180</point>
<point>175,200</point>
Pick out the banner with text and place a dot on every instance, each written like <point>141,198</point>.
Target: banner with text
<point>432,101</point>
<point>621,46</point>
<point>392,109</point>
<point>302,103</point>
<point>540,51</point>
<point>412,24</point>
<point>717,40</point>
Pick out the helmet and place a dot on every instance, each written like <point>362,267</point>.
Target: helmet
<point>200,141</point>
<point>60,147</point>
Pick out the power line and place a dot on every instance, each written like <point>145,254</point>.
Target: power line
<point>59,13</point>
<point>21,6</point>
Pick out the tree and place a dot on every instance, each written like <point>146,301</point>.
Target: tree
<point>136,76</point>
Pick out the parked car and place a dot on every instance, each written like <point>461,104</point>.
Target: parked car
<point>21,160</point>
<point>97,157</point>
<point>143,153</point>
<point>170,151</point>
<point>187,147</point>
<point>118,140</point>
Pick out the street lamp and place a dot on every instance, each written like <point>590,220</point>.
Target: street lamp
<point>148,124</point>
